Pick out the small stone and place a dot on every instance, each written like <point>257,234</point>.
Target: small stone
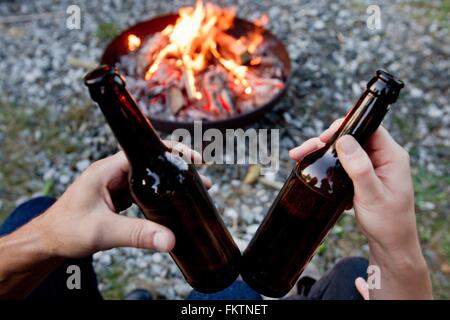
<point>103,258</point>
<point>432,258</point>
<point>82,165</point>
<point>435,112</point>
<point>64,179</point>
<point>426,205</point>
<point>181,288</point>
<point>416,92</point>
<point>49,174</point>
<point>231,213</point>
<point>157,257</point>
<point>319,25</point>
<point>140,263</point>
<point>157,269</point>
<point>251,229</point>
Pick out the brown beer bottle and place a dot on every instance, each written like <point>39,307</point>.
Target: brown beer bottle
<point>167,189</point>
<point>312,199</point>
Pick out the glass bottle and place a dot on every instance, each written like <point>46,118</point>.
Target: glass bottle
<point>312,199</point>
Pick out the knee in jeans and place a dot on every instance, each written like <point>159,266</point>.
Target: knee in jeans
<point>352,265</point>
<point>43,202</point>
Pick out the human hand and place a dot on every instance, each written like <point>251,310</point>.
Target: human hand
<point>383,198</point>
<point>84,220</point>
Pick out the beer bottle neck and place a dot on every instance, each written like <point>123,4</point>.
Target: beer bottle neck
<point>131,127</point>
<point>366,115</point>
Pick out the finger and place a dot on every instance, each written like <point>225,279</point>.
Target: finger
<point>206,181</point>
<point>111,176</point>
<point>306,147</point>
<point>382,148</point>
<point>362,287</point>
<point>328,133</point>
<point>115,166</point>
<point>357,164</point>
<point>184,151</point>
<point>122,231</point>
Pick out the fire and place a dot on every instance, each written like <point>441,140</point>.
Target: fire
<point>134,42</point>
<point>205,65</point>
<point>193,40</point>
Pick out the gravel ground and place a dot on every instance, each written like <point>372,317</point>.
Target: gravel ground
<point>50,131</point>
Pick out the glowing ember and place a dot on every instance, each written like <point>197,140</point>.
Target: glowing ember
<point>133,42</point>
<point>196,65</point>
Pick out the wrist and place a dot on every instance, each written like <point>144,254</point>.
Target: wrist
<point>399,259</point>
<point>46,243</point>
<point>404,273</point>
<point>28,259</point>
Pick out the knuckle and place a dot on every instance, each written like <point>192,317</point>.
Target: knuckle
<point>360,169</point>
<point>95,166</point>
<point>337,122</point>
<point>404,155</point>
<point>137,236</point>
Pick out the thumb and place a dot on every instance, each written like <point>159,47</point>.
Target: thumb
<point>362,287</point>
<point>124,231</point>
<point>357,164</point>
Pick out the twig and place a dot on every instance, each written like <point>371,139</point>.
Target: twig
<point>78,63</point>
<point>31,17</point>
<point>272,184</point>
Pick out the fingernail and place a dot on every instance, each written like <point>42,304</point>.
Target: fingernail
<point>348,144</point>
<point>161,241</point>
<point>362,282</point>
<point>208,181</point>
<point>324,133</point>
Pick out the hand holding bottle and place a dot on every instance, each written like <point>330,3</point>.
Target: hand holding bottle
<point>84,220</point>
<point>384,209</point>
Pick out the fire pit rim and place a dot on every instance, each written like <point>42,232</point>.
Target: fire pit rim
<point>111,53</point>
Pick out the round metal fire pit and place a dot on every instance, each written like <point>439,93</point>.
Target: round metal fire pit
<point>119,46</point>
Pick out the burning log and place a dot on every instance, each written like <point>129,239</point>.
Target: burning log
<point>233,48</point>
<point>175,99</point>
<point>189,83</point>
<point>217,93</point>
<point>148,52</point>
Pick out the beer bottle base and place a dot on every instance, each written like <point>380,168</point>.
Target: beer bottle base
<point>214,285</point>
<point>262,288</point>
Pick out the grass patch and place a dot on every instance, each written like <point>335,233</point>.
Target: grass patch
<point>432,222</point>
<point>429,187</point>
<point>430,11</point>
<point>28,138</point>
<point>107,31</point>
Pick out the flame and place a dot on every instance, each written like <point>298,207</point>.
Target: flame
<point>192,41</point>
<point>134,42</point>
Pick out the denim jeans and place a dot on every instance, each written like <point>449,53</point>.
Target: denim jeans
<point>338,283</point>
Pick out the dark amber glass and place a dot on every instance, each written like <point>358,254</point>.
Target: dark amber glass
<point>167,189</point>
<point>312,199</point>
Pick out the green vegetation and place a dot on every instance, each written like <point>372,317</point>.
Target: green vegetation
<point>432,193</point>
<point>27,138</point>
<point>107,31</point>
<point>438,11</point>
<point>114,276</point>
